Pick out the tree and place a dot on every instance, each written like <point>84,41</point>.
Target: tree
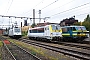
<point>87,18</point>
<point>33,25</point>
<point>85,23</point>
<point>78,23</point>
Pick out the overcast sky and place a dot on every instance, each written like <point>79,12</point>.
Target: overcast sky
<point>57,10</point>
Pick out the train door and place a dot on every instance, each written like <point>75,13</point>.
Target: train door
<point>46,31</point>
<point>70,31</point>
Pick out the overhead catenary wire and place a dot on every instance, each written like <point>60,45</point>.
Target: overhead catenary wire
<point>76,12</point>
<point>83,14</point>
<point>61,5</point>
<point>49,4</point>
<point>45,6</point>
<point>66,11</point>
<point>9,7</point>
<point>70,9</point>
<point>32,8</point>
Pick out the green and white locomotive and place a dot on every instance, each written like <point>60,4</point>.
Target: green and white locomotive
<point>74,33</point>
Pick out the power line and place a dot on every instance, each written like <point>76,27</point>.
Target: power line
<point>9,6</point>
<point>76,12</point>
<point>33,7</point>
<point>62,5</point>
<point>83,14</point>
<point>49,4</point>
<point>45,6</point>
<point>70,9</point>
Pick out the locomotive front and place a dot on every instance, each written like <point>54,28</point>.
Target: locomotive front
<point>55,32</point>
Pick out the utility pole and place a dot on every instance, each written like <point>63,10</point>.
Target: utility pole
<point>39,16</point>
<point>33,16</point>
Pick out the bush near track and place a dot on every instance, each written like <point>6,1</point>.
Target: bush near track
<point>24,33</point>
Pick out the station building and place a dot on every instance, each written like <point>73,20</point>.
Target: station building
<point>68,21</point>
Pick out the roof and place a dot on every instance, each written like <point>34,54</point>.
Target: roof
<point>73,26</point>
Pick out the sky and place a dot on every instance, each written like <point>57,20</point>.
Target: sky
<point>56,10</point>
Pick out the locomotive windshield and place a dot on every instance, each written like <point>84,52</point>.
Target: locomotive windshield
<point>55,27</point>
<point>17,29</point>
<point>78,28</point>
<point>83,28</point>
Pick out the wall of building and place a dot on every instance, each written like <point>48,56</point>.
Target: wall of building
<point>1,31</point>
<point>25,28</point>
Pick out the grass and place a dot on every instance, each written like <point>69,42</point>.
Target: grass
<point>1,44</point>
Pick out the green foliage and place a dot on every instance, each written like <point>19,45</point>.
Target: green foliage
<point>87,18</point>
<point>86,22</point>
<point>78,23</point>
<point>24,33</point>
<point>33,25</point>
<point>87,25</point>
<point>1,44</point>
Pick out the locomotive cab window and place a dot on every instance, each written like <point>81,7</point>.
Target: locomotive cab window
<point>78,28</point>
<point>58,27</point>
<point>17,30</point>
<point>83,28</point>
<point>55,27</point>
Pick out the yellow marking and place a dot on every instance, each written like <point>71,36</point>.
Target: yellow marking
<point>74,34</point>
<point>81,34</point>
<point>84,30</point>
<point>50,28</point>
<point>65,34</point>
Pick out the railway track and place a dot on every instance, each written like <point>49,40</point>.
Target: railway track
<point>71,44</point>
<point>75,52</point>
<point>77,45</point>
<point>17,53</point>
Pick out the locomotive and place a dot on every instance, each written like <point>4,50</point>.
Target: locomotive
<point>49,32</point>
<point>74,33</point>
<point>15,32</point>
